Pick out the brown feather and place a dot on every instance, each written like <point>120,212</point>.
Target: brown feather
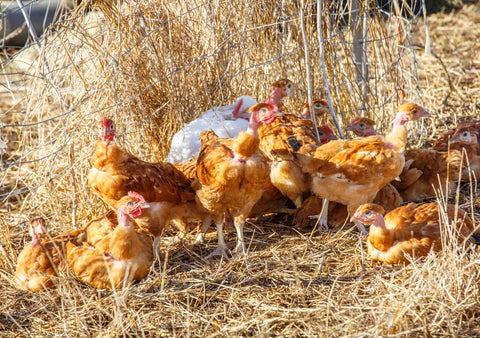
<point>428,172</point>
<point>122,256</point>
<point>351,172</point>
<point>116,172</point>
<point>37,264</point>
<point>412,230</point>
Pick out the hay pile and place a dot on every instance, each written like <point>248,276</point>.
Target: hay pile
<point>153,66</point>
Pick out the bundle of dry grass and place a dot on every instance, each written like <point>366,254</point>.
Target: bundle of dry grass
<point>153,66</point>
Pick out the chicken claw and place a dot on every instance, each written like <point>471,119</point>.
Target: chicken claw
<point>219,251</point>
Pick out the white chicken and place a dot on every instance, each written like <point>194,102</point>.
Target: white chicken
<point>225,121</point>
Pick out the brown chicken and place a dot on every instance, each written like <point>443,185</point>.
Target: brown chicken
<point>35,264</point>
<point>232,173</point>
<point>272,199</point>
<point>285,174</point>
<point>427,172</point>
<point>411,230</point>
<point>415,184</point>
<point>362,126</point>
<point>466,137</point>
<point>443,141</point>
<point>388,197</point>
<point>320,107</point>
<point>121,256</point>
<point>116,172</point>
<point>281,89</point>
<point>302,126</point>
<point>351,172</point>
<point>188,168</point>
<point>40,260</point>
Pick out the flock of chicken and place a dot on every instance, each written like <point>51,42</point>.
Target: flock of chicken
<point>271,160</point>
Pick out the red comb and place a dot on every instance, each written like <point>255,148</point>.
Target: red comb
<point>136,195</point>
<point>327,128</point>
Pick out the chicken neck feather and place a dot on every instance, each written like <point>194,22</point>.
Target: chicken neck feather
<point>397,138</point>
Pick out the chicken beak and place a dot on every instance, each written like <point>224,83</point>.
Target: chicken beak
<point>278,113</point>
<point>356,216</point>
<point>427,114</point>
<point>357,219</point>
<point>349,127</point>
<point>146,205</point>
<point>333,137</point>
<point>361,227</point>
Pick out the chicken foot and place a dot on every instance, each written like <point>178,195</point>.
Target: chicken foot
<point>222,248</point>
<point>200,239</point>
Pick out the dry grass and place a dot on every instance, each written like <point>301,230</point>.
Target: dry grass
<point>151,68</point>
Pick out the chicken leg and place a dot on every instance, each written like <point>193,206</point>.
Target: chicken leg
<point>323,220</point>
<point>222,248</point>
<point>239,223</point>
<point>201,235</point>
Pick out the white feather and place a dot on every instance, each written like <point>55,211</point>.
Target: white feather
<point>186,142</point>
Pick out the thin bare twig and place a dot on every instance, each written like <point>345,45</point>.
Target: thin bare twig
<point>306,48</point>
<point>324,70</point>
<point>33,34</point>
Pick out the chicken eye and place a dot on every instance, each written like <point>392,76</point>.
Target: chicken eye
<point>317,106</point>
<point>414,111</point>
<point>368,213</point>
<point>289,85</point>
<point>130,203</point>
<point>361,125</point>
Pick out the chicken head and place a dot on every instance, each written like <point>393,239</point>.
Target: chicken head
<point>370,214</point>
<point>320,107</point>
<point>362,126</point>
<point>133,205</point>
<point>285,87</point>
<point>37,229</point>
<point>326,134</point>
<point>412,112</point>
<point>107,127</point>
<point>263,113</point>
<point>465,135</point>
